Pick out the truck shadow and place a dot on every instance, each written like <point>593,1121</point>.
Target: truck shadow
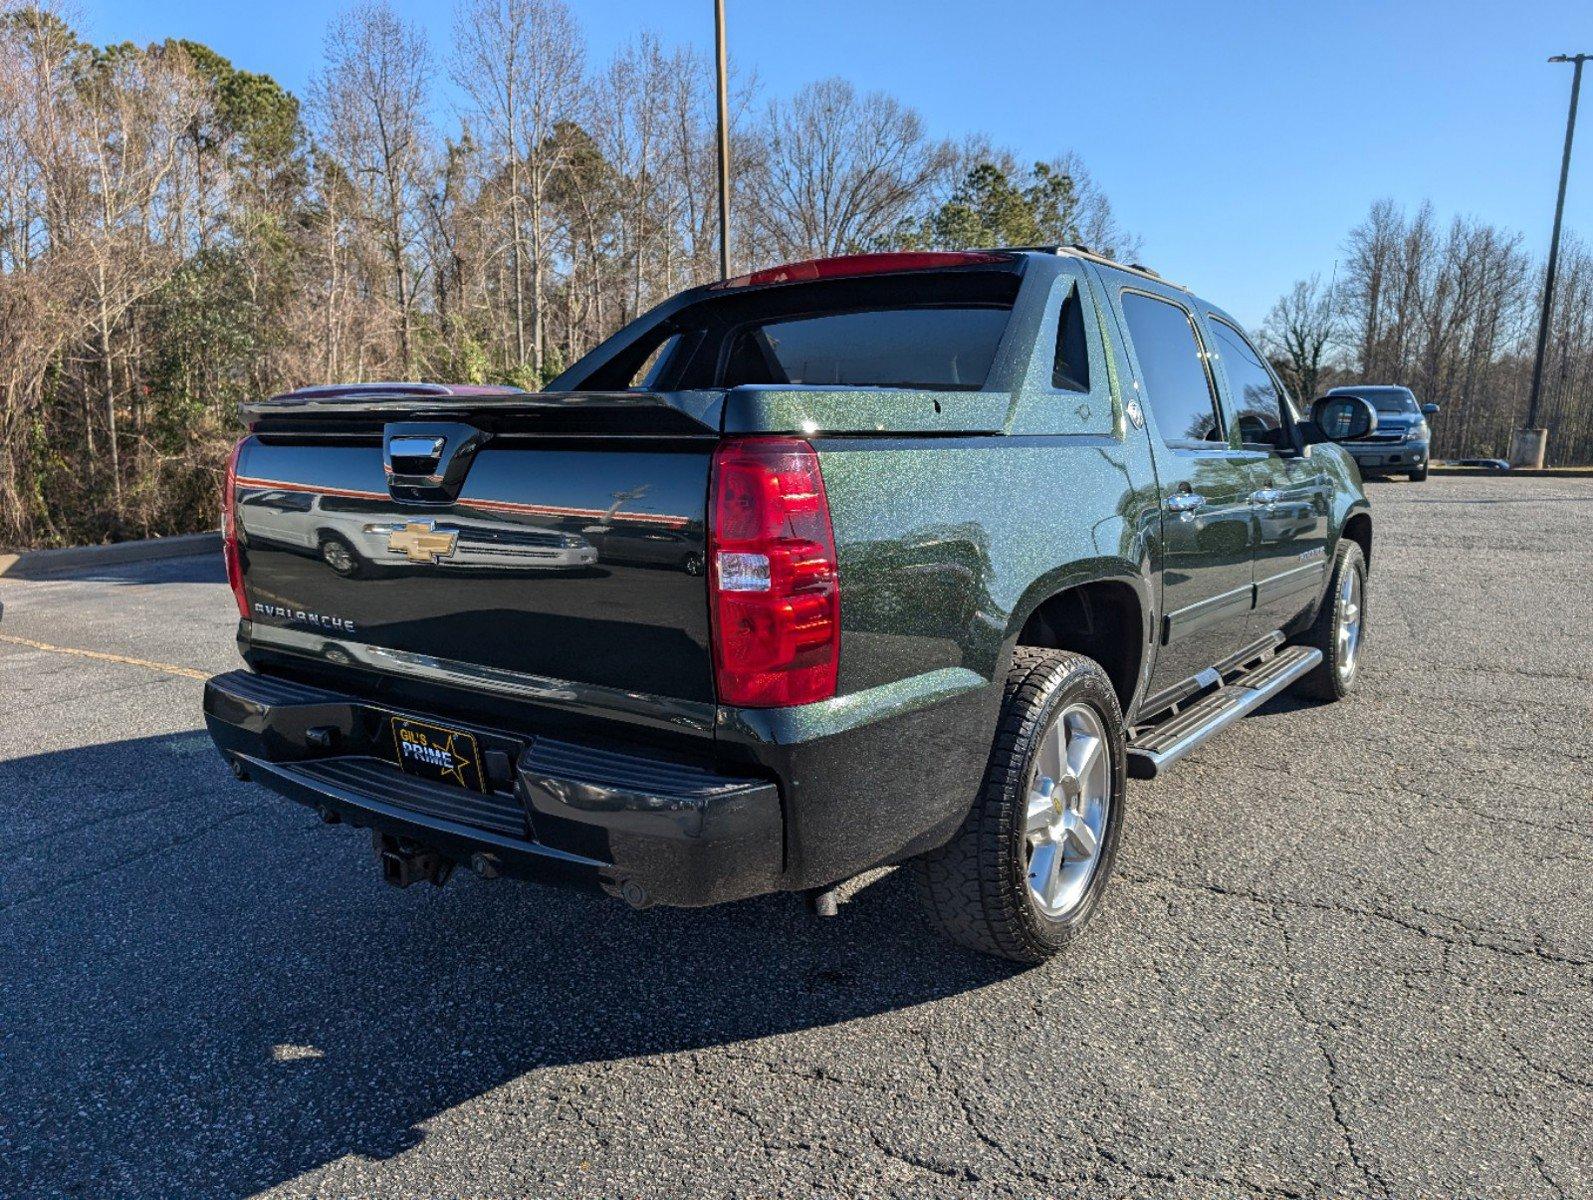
<point>216,994</point>
<point>188,568</point>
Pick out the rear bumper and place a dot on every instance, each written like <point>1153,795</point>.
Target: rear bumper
<point>628,821</point>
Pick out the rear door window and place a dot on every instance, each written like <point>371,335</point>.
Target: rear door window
<point>941,348</point>
<point>1173,371</point>
<point>1256,401</point>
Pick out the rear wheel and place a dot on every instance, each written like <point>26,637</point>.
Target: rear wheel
<point>339,555</point>
<point>1025,873</point>
<point>1339,629</point>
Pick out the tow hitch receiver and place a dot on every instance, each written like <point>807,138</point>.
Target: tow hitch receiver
<point>404,863</point>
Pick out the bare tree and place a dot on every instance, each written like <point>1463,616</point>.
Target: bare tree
<point>839,170</point>
<point>369,101</point>
<point>1299,329</point>
<point>635,135</point>
<point>1449,314</point>
<point>134,112</point>
<point>1091,216</point>
<point>521,63</point>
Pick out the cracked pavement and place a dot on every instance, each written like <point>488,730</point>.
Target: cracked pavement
<point>1349,951</point>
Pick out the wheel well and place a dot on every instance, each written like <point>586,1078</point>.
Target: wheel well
<point>1100,620</point>
<point>1358,528</point>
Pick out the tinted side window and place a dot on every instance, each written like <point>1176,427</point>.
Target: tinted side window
<point>1070,371</point>
<point>1177,384</point>
<point>950,348</point>
<point>1256,400</point>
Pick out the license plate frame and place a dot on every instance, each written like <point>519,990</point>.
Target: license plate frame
<point>437,753</point>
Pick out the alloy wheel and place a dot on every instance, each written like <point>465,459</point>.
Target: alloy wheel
<point>1069,800</point>
<point>1349,630</point>
<point>337,557</point>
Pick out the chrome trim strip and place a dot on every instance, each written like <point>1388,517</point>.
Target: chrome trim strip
<point>1182,621</point>
<point>1272,584</point>
<point>1153,762</point>
<point>1221,599</point>
<point>590,699</point>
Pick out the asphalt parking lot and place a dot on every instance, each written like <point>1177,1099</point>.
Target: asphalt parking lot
<point>1349,952</point>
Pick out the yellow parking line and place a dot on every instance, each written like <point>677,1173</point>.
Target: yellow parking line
<point>185,672</point>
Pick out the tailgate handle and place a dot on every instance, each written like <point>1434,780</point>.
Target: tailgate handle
<point>426,462</point>
<point>415,455</point>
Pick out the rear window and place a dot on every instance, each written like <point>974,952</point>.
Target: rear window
<point>936,330</point>
<point>943,348</point>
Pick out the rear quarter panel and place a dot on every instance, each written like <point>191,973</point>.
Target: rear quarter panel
<point>946,548</point>
<point>947,541</point>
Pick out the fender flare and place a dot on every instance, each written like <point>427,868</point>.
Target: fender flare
<point>1079,573</point>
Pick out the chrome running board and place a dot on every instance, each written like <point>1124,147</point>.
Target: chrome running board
<point>1157,747</point>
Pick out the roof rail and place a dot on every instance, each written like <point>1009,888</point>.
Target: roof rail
<point>1078,250</point>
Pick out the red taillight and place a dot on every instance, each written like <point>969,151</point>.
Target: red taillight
<point>229,531</point>
<point>772,578</point>
<point>843,265</point>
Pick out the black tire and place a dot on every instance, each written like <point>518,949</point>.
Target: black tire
<point>1329,681</point>
<point>1419,476</point>
<point>975,887</point>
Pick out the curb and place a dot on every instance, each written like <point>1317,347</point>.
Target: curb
<point>1518,473</point>
<point>38,564</point>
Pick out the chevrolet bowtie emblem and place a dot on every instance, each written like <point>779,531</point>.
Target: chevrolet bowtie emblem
<point>422,542</point>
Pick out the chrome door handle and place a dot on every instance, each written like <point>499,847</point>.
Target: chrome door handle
<point>1184,502</point>
<point>1267,496</point>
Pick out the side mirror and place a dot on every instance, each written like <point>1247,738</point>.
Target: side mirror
<point>1343,418</point>
<point>1429,410</point>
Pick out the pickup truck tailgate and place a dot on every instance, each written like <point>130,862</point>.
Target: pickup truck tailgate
<point>559,559</point>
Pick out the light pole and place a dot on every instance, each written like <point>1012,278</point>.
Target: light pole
<point>724,142</point>
<point>1531,442</point>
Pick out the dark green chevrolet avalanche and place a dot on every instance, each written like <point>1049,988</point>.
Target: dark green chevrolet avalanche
<point>891,558</point>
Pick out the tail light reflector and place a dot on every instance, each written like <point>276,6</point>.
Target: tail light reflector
<point>774,592</point>
<point>229,531</point>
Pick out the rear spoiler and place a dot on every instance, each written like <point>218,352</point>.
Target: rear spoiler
<point>365,407</point>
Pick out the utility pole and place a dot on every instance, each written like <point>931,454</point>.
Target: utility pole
<point>724,142</point>
<point>1531,443</point>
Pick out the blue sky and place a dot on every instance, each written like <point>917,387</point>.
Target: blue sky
<point>1240,140</point>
